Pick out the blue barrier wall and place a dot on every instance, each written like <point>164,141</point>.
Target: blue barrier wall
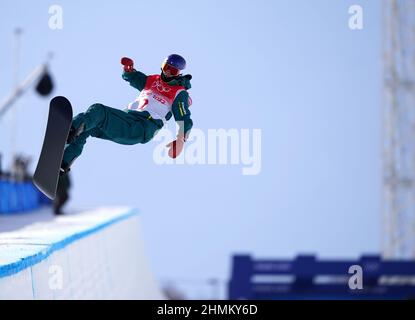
<point>308,278</point>
<point>20,196</point>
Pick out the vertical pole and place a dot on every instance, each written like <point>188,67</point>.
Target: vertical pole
<point>16,71</point>
<point>399,129</point>
<point>412,70</point>
<point>215,286</point>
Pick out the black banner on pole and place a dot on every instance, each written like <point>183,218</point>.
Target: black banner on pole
<point>45,84</point>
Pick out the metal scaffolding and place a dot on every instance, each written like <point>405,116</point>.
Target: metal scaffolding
<point>398,142</point>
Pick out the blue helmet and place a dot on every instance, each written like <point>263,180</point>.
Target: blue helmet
<point>176,61</point>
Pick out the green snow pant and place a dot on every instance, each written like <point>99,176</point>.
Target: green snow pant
<point>121,126</point>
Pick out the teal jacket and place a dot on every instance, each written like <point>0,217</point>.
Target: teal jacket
<point>180,107</point>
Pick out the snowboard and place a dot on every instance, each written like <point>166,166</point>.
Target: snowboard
<point>57,129</point>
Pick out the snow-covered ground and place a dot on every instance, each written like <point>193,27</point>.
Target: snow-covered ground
<point>95,254</point>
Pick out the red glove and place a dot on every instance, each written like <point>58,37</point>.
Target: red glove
<point>128,64</point>
<point>176,146</point>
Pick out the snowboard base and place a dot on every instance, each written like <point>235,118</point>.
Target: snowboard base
<point>46,175</point>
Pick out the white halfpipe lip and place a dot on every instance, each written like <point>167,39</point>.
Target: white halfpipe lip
<point>104,240</point>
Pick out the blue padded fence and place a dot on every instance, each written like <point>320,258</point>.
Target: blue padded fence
<point>307,277</point>
<point>20,196</point>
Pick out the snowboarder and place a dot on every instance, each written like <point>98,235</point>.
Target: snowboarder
<point>161,97</point>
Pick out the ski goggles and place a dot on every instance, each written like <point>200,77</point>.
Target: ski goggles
<point>169,70</point>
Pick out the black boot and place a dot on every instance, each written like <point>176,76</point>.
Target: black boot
<point>65,168</point>
<point>75,133</point>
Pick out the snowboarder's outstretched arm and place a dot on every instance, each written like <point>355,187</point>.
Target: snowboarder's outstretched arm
<point>136,78</point>
<point>181,113</point>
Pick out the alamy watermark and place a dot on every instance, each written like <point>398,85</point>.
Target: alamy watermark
<point>356,278</point>
<point>56,17</point>
<point>56,277</point>
<point>356,17</point>
<point>214,147</point>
